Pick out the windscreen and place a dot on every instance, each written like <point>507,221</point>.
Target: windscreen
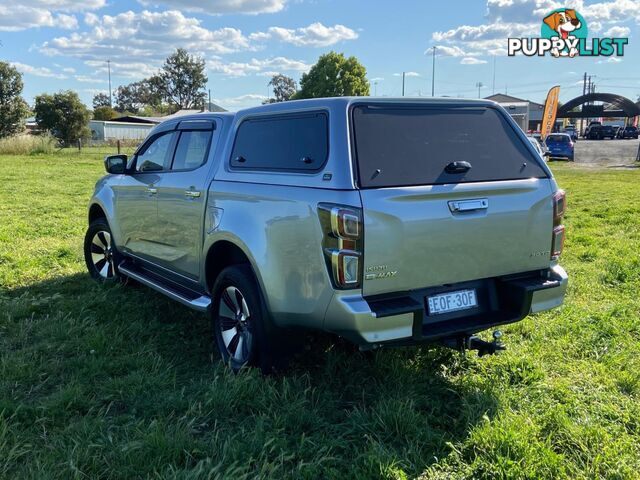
<point>404,146</point>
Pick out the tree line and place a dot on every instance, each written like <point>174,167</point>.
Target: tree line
<point>179,84</point>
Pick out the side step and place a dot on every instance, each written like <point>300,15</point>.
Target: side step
<point>197,302</point>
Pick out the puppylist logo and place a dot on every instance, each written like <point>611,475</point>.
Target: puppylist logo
<point>564,33</point>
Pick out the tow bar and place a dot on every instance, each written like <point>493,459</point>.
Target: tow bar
<point>462,344</point>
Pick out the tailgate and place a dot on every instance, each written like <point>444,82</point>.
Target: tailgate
<point>440,234</point>
<point>450,192</point>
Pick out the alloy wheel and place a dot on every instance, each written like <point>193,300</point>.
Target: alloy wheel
<point>102,254</point>
<point>234,323</point>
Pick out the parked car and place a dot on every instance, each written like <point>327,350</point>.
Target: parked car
<point>571,131</point>
<point>608,131</point>
<point>628,132</point>
<point>616,131</point>
<point>538,147</point>
<point>560,146</point>
<point>388,222</point>
<point>594,132</point>
<point>588,131</point>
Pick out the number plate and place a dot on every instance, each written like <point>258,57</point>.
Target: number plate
<point>452,302</point>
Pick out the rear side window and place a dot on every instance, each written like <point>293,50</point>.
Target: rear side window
<point>192,149</point>
<point>285,143</point>
<point>403,146</point>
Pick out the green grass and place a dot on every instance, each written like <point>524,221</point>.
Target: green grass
<point>119,382</point>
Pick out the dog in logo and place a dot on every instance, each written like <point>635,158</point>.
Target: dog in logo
<point>564,22</point>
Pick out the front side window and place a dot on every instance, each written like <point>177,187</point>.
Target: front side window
<point>156,155</point>
<point>192,150</point>
<point>298,142</point>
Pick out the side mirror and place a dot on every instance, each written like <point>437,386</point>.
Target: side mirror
<point>116,164</point>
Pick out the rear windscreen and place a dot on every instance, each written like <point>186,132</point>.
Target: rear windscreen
<point>403,146</point>
<point>558,139</point>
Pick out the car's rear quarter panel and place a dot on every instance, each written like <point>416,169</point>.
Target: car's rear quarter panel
<point>279,226</point>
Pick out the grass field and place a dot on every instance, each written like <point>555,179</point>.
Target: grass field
<point>119,382</point>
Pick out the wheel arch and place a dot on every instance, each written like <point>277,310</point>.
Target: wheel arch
<point>95,212</point>
<point>224,253</point>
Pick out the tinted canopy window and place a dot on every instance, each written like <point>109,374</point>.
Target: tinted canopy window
<point>398,146</point>
<point>286,142</point>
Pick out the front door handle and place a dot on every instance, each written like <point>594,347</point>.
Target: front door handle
<point>192,193</point>
<point>152,190</point>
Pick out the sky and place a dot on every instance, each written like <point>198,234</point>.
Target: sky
<point>65,44</point>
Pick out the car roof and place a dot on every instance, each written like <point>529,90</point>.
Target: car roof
<point>560,134</point>
<point>345,102</point>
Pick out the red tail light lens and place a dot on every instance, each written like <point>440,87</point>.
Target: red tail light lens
<point>559,206</point>
<point>342,243</point>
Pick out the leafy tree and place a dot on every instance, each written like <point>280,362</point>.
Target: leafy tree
<point>104,113</point>
<point>13,109</point>
<point>64,115</point>
<point>101,100</point>
<point>137,95</point>
<point>182,80</point>
<point>334,75</point>
<point>283,87</point>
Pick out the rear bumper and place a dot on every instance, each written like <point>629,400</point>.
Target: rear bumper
<point>402,319</point>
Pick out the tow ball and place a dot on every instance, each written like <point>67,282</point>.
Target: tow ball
<point>473,342</point>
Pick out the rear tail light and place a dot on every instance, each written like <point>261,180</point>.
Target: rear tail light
<point>559,206</point>
<point>557,237</point>
<point>557,242</point>
<point>342,243</point>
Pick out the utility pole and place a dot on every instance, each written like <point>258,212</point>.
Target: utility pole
<point>375,89</point>
<point>109,70</point>
<point>584,84</point>
<point>479,85</point>
<point>493,88</point>
<point>209,102</point>
<point>433,73</point>
<point>403,84</point>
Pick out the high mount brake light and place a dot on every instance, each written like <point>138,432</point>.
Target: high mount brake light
<point>342,243</point>
<point>558,234</point>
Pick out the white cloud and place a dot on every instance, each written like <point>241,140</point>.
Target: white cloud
<point>242,101</point>
<point>138,42</point>
<point>43,13</point>
<point>88,79</point>
<point>376,79</point>
<point>19,17</point>
<point>134,70</point>
<point>472,61</point>
<point>617,32</point>
<point>37,71</point>
<point>267,67</point>
<point>407,74</point>
<point>315,35</point>
<point>214,7</point>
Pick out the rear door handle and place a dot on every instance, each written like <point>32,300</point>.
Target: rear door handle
<point>468,205</point>
<point>192,193</point>
<point>152,190</point>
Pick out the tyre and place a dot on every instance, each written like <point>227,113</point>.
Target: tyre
<point>100,252</point>
<point>241,324</point>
